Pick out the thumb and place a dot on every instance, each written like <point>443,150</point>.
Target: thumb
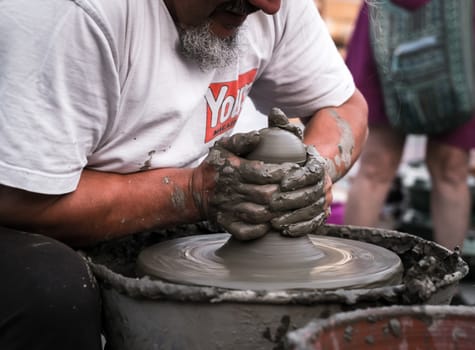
<point>240,144</point>
<point>278,119</point>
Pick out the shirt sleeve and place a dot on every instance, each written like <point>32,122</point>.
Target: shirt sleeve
<point>58,89</point>
<point>306,71</point>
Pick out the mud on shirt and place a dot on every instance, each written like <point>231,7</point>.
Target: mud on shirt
<point>100,84</point>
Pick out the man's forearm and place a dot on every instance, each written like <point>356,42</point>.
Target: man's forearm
<point>339,133</point>
<point>104,206</point>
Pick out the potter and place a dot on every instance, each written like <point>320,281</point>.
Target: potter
<point>118,120</point>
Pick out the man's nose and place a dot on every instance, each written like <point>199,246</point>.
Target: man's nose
<point>268,6</point>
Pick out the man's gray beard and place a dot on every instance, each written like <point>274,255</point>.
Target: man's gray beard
<point>207,49</point>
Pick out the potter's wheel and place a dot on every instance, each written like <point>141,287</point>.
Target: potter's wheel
<point>273,262</point>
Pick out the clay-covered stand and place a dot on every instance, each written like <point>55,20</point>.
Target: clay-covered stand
<point>147,313</point>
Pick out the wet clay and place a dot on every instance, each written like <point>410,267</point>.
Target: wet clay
<point>252,195</point>
<point>279,146</point>
<point>346,146</point>
<point>272,263</point>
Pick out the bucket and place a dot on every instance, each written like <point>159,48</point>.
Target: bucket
<point>144,314</point>
<point>427,327</point>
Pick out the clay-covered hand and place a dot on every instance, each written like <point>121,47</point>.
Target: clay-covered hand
<point>278,119</point>
<point>236,192</point>
<point>305,192</point>
<point>249,198</point>
<point>304,197</point>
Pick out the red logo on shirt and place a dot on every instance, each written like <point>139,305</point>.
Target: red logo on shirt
<point>224,103</point>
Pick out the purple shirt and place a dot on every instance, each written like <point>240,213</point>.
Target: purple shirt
<point>411,4</point>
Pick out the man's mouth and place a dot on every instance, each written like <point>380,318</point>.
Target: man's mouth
<point>238,7</point>
<point>230,15</point>
<point>228,20</point>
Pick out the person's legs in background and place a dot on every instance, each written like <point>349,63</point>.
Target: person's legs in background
<point>378,167</point>
<point>450,195</point>
<point>48,297</point>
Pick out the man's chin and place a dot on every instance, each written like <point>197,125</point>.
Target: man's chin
<point>225,25</point>
<point>209,49</point>
<point>224,32</point>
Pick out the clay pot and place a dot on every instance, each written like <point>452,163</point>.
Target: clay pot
<point>279,146</point>
<point>396,327</point>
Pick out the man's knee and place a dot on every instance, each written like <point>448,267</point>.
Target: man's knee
<point>447,165</point>
<point>379,168</point>
<point>52,297</point>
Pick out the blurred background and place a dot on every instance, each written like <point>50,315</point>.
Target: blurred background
<point>407,206</point>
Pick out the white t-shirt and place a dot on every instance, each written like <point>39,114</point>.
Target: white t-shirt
<point>100,84</point>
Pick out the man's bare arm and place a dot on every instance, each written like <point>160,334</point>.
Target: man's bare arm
<point>104,206</point>
<point>108,205</point>
<point>339,133</point>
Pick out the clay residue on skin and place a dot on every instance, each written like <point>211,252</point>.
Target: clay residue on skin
<point>300,198</point>
<point>178,198</point>
<point>266,173</point>
<point>305,220</point>
<point>346,146</point>
<point>332,169</point>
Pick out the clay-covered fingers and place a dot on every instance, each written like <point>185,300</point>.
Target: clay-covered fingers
<point>312,172</point>
<point>241,170</point>
<point>328,192</point>
<point>304,185</point>
<point>292,200</point>
<point>278,119</point>
<point>243,188</point>
<point>300,215</point>
<point>257,172</point>
<point>248,212</point>
<point>304,199</point>
<point>240,144</point>
<point>304,227</point>
<point>260,194</point>
<point>251,197</point>
<point>242,230</point>
<point>242,218</point>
